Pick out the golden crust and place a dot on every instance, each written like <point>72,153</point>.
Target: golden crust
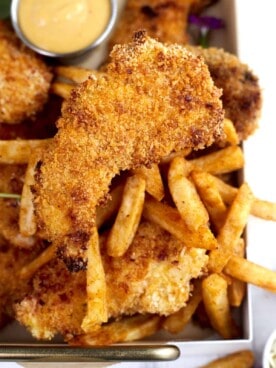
<point>241,96</point>
<point>152,99</point>
<point>24,79</point>
<point>163,20</point>
<point>152,277</point>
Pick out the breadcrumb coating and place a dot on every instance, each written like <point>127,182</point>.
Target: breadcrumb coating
<point>163,20</point>
<point>24,79</point>
<point>153,99</point>
<point>152,277</point>
<point>241,97</point>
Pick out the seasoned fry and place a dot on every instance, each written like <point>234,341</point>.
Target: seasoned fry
<point>30,269</point>
<point>260,208</point>
<point>127,329</point>
<point>96,287</point>
<point>249,272</point>
<point>169,219</point>
<point>240,359</point>
<point>214,294</point>
<point>176,322</point>
<point>211,197</point>
<point>183,153</point>
<point>62,89</point>
<point>237,288</point>
<point>19,151</point>
<point>27,222</point>
<point>232,229</point>
<point>185,196</point>
<point>220,162</point>
<point>107,211</point>
<point>231,135</point>
<point>154,184</point>
<point>128,217</point>
<point>75,74</point>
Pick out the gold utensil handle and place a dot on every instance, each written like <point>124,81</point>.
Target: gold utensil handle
<point>64,353</point>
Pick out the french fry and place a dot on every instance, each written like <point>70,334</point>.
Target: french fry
<point>27,222</point>
<point>237,288</point>
<point>247,271</point>
<point>96,313</point>
<point>232,229</point>
<point>105,212</point>
<point>75,74</point>
<point>185,196</point>
<point>167,159</point>
<point>260,208</point>
<point>264,209</point>
<point>170,220</point>
<point>61,89</point>
<point>220,162</point>
<point>176,322</point>
<point>19,151</point>
<point>230,132</point>
<point>127,329</point>
<point>211,197</point>
<point>154,183</point>
<point>129,214</point>
<point>214,294</point>
<point>30,269</point>
<point>239,359</point>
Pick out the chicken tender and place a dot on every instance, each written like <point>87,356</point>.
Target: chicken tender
<point>241,96</point>
<point>152,277</point>
<point>24,79</point>
<point>162,19</point>
<point>152,100</point>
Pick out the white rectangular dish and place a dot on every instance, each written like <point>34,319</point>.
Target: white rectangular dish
<point>193,339</point>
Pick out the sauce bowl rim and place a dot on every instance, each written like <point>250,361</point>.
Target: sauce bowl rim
<point>103,36</point>
<point>267,348</point>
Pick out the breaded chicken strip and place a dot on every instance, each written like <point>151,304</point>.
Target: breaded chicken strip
<point>152,277</point>
<point>241,96</point>
<point>162,19</point>
<point>152,100</point>
<point>24,79</point>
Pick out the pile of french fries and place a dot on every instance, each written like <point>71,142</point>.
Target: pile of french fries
<point>191,196</point>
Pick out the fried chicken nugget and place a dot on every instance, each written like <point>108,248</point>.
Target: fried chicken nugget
<point>153,276</point>
<point>241,98</point>
<point>12,289</point>
<point>152,100</point>
<point>24,79</point>
<point>162,19</point>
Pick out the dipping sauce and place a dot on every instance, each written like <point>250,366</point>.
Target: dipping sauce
<point>63,26</point>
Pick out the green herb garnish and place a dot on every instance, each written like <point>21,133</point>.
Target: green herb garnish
<point>5,7</point>
<point>10,195</point>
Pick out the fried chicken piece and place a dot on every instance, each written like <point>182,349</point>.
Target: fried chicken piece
<point>241,96</point>
<point>11,288</point>
<point>152,100</point>
<point>152,277</point>
<point>164,20</point>
<point>24,79</point>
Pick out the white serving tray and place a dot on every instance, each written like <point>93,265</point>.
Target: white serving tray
<point>193,340</point>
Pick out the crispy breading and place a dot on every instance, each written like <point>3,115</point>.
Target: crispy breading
<point>24,79</point>
<point>12,289</point>
<point>164,20</point>
<point>153,99</point>
<point>152,277</point>
<point>241,98</point>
